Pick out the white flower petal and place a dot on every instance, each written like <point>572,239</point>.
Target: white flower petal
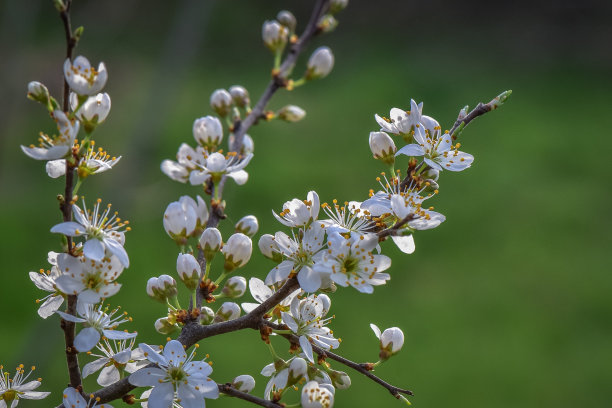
<point>50,305</point>
<point>152,355</point>
<point>69,228</point>
<point>375,329</point>
<point>240,177</point>
<point>94,366</point>
<point>117,249</point>
<point>109,375</point>
<point>86,339</point>
<point>306,348</point>
<point>118,335</point>
<point>147,377</point>
<point>405,244</point>
<point>174,353</point>
<point>162,396</point>
<point>94,249</point>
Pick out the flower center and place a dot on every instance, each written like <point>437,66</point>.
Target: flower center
<point>176,374</point>
<point>8,396</point>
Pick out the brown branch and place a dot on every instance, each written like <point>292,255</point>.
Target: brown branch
<point>361,368</point>
<point>392,231</point>
<point>229,390</point>
<point>463,120</point>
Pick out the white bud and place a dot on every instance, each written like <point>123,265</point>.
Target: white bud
<point>391,341</point>
<point>240,96</point>
<point>337,5</point>
<point>244,383</point>
<point>227,311</point>
<point>315,395</point>
<point>320,63</point>
<point>188,270</point>
<point>161,288</point>
<point>431,174</point>
<point>38,92</point>
<point>180,221</point>
<point>327,23</point>
<point>154,290</point>
<point>382,147</point>
<point>234,287</point>
<point>297,370</point>
<point>210,242</point>
<point>269,248</point>
<point>163,326</point>
<point>287,19</point>
<point>221,102</point>
<point>248,225</point>
<point>201,211</point>
<point>93,111</point>
<point>340,379</point>
<point>237,251</point>
<point>274,35</point>
<point>207,315</point>
<point>291,113</point>
<point>208,132</point>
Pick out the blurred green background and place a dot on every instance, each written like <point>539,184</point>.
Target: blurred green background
<point>506,304</point>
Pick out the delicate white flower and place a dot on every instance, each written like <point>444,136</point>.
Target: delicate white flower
<point>101,230</point>
<point>297,213</point>
<point>188,270</point>
<point>83,78</point>
<point>261,293</point>
<point>402,122</point>
<point>410,206</point>
<point>244,383</point>
<point>14,389</point>
<point>94,162</point>
<point>348,218</point>
<point>307,321</point>
<point>283,374</point>
<point>237,251</point>
<point>320,63</point>
<point>56,146</point>
<point>391,340</point>
<point>221,102</point>
<point>350,262</point>
<point>274,35</point>
<point>315,395</point>
<point>217,166</point>
<point>92,111</point>
<point>145,396</point>
<point>187,160</point>
<point>177,377</point>
<point>208,131</point>
<point>116,356</point>
<point>439,152</point>
<point>73,399</point>
<point>248,225</point>
<point>97,323</point>
<point>45,280</point>
<point>301,254</point>
<point>91,280</point>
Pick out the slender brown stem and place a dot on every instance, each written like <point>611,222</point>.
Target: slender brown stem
<point>480,109</point>
<point>228,390</point>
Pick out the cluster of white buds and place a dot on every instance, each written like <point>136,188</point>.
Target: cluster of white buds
<point>162,288</point>
<point>185,218</point>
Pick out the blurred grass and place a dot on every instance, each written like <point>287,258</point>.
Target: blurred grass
<point>505,304</point>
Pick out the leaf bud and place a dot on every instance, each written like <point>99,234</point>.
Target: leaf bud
<point>207,315</point>
<point>291,113</point>
<point>274,35</point>
<point>163,326</point>
<point>237,251</point>
<point>210,242</point>
<point>188,270</point>
<point>208,132</point>
<point>228,311</point>
<point>234,287</point>
<point>287,19</point>
<point>320,63</point>
<point>248,225</point>
<point>221,102</point>
<point>244,383</point>
<point>240,96</point>
<point>382,147</point>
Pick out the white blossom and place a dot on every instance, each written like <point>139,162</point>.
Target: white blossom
<point>114,357</point>
<point>261,293</point>
<point>73,399</point>
<point>217,165</point>
<point>16,388</point>
<point>228,311</point>
<point>240,96</point>
<point>93,110</point>
<point>402,122</point>
<point>235,287</point>
<point>291,113</point>
<point>56,146</point>
<point>297,213</point>
<point>315,395</point>
<point>83,78</point>
<point>382,147</point>
<point>45,280</point>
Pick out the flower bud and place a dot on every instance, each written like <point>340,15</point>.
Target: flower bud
<point>163,326</point>
<point>382,147</point>
<point>269,249</point>
<point>337,5</point>
<point>234,287</point>
<point>328,23</point>
<point>188,270</point>
<point>162,288</point>
<point>93,111</point>
<point>315,395</point>
<point>38,92</point>
<point>154,290</point>
<point>431,173</point>
<point>287,19</point>
<point>207,315</point>
<point>221,102</point>
<point>248,225</point>
<point>391,341</point>
<point>180,221</point>
<point>240,96</point>
<point>244,383</point>
<point>237,251</point>
<point>274,35</point>
<point>297,370</point>
<point>208,132</point>
<point>227,311</point>
<point>340,379</point>
<point>320,63</point>
<point>291,113</point>
<point>210,242</point>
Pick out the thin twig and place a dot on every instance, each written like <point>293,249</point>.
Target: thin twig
<point>393,230</point>
<point>463,120</point>
<point>228,390</point>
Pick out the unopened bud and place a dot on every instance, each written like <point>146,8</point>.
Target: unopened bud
<point>162,288</point>
<point>431,174</point>
<point>297,370</point>
<point>38,92</point>
<point>240,96</point>
<point>210,242</point>
<point>287,19</point>
<point>340,379</point>
<point>221,102</point>
<point>248,225</point>
<point>320,63</point>
<point>391,341</point>
<point>244,383</point>
<point>59,5</point>
<point>227,311</point>
<point>234,287</point>
<point>180,221</point>
<point>163,326</point>
<point>237,251</point>
<point>382,147</point>
<point>328,23</point>
<point>274,35</point>
<point>337,5</point>
<point>207,315</point>
<point>269,248</point>
<point>188,270</point>
<point>78,33</point>
<point>291,113</point>
<point>208,132</point>
<point>326,302</point>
